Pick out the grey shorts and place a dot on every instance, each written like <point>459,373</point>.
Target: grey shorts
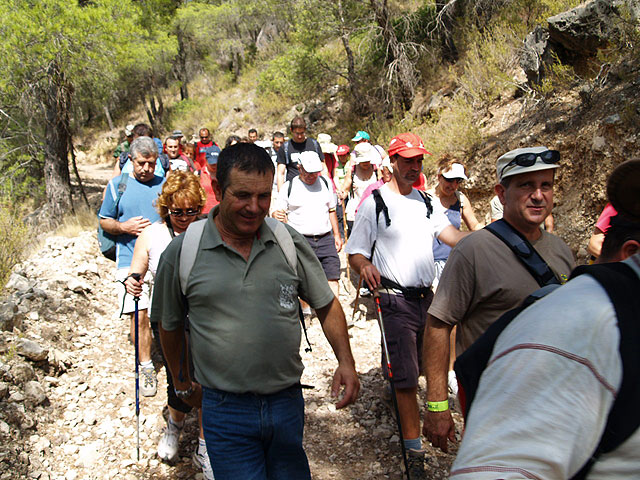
<point>325,249</point>
<point>404,324</point>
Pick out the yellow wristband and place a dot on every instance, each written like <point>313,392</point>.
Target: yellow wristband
<point>438,406</point>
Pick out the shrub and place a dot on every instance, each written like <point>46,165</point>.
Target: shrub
<point>13,233</point>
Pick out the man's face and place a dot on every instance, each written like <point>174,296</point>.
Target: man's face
<point>277,142</point>
<point>306,177</point>
<point>253,136</point>
<point>245,202</point>
<point>204,136</point>
<point>144,167</point>
<point>406,170</point>
<point>298,134</point>
<point>528,199</point>
<point>173,147</point>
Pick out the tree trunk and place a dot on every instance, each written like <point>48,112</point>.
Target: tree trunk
<point>57,140</point>
<point>182,66</point>
<point>446,12</point>
<point>108,115</point>
<point>360,104</point>
<point>75,170</point>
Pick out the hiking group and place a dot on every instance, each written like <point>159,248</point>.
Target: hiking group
<point>226,253</point>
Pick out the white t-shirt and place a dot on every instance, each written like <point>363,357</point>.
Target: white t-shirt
<point>159,238</point>
<point>307,206</point>
<point>542,405</point>
<point>358,188</point>
<point>403,250</point>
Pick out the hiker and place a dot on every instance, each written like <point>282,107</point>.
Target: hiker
<point>600,230</point>
<point>247,362</point>
<point>124,146</point>
<point>361,137</point>
<point>178,161</point>
<point>180,201</point>
<point>232,140</point>
<point>205,147</point>
<point>252,135</point>
<point>126,218</point>
<point>205,179</point>
<point>123,165</point>
<point>291,150</point>
<point>386,171</point>
<point>401,266</point>
<point>561,372</point>
<point>341,169</point>
<point>483,277</point>
<point>362,175</point>
<point>496,214</point>
<point>308,204</point>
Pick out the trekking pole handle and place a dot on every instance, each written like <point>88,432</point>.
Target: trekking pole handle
<point>135,276</point>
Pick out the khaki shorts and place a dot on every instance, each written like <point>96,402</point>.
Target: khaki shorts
<point>129,305</point>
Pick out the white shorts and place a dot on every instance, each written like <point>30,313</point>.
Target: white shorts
<point>129,304</point>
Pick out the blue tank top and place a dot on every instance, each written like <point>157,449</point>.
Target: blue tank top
<point>441,250</point>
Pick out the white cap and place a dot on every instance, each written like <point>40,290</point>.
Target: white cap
<point>365,152</point>
<point>456,171</point>
<point>128,130</point>
<point>310,161</point>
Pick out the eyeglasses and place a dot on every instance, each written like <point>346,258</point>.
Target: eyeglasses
<point>529,159</point>
<point>451,180</point>
<point>189,212</point>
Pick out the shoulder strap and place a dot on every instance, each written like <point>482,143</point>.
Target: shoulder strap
<point>324,180</point>
<point>290,187</point>
<point>381,207</point>
<point>189,250</point>
<point>283,237</point>
<point>287,159</point>
<point>525,252</point>
<point>122,186</point>
<point>426,198</point>
<point>622,285</point>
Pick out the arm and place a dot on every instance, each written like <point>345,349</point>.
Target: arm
<point>451,235</point>
<point>133,226</point>
<point>282,168</point>
<point>333,218</point>
<point>346,186</point>
<point>174,343</point>
<point>139,264</point>
<point>116,169</point>
<point>366,269</point>
<point>438,427</point>
<point>334,326</point>
<point>469,216</point>
<point>595,242</point>
<point>548,223</point>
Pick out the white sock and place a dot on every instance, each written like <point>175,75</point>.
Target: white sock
<point>146,364</point>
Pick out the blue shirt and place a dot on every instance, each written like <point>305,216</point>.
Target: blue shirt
<point>441,250</point>
<point>137,200</point>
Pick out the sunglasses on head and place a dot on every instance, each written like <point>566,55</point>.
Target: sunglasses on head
<point>529,159</point>
<point>189,212</point>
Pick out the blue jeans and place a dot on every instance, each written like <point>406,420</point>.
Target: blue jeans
<point>255,437</point>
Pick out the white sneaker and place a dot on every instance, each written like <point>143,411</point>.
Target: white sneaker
<point>148,381</point>
<point>201,460</point>
<point>168,445</point>
<point>453,383</point>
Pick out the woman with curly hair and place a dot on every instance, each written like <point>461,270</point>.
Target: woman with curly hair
<point>179,204</point>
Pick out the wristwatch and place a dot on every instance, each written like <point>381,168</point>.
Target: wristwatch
<point>184,394</point>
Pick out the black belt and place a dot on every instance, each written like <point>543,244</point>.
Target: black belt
<point>317,237</point>
<point>410,293</point>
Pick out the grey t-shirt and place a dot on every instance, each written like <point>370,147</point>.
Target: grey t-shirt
<point>243,315</point>
<point>483,279</point>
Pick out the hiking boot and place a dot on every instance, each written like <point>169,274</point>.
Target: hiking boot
<point>416,460</point>
<point>149,381</point>
<point>168,445</point>
<point>201,460</point>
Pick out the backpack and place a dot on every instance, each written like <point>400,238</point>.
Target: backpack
<point>191,243</point>
<point>106,241</point>
<point>622,286</point>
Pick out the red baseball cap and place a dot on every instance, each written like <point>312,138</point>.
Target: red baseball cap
<point>407,145</point>
<point>342,150</point>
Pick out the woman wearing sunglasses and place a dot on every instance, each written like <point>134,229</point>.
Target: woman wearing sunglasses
<point>451,174</point>
<point>179,204</point>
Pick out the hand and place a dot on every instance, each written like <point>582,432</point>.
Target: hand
<point>371,276</point>
<point>135,225</point>
<point>195,399</point>
<point>338,241</point>
<point>341,195</point>
<point>280,215</point>
<point>438,427</point>
<point>133,286</point>
<point>345,375</point>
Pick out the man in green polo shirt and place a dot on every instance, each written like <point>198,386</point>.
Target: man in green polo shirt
<point>242,301</point>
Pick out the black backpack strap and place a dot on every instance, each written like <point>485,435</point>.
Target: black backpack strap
<point>525,252</point>
<point>287,158</point>
<point>622,285</point>
<point>324,180</point>
<point>426,198</point>
<point>381,207</point>
<point>290,187</point>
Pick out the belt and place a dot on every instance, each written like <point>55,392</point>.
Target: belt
<point>317,237</point>
<point>410,293</point>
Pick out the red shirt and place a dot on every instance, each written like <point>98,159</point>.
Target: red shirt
<point>205,182</point>
<point>421,183</point>
<point>201,154</point>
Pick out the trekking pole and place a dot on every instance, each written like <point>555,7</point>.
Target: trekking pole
<point>355,302</point>
<point>344,228</point>
<point>136,299</point>
<point>394,399</point>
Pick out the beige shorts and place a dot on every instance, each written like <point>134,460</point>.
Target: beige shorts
<point>129,305</point>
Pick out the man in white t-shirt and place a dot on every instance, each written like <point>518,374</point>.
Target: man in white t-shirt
<point>404,268</point>
<point>308,204</point>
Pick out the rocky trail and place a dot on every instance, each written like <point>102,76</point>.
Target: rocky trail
<point>67,403</point>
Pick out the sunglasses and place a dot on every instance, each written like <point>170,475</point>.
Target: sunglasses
<point>189,212</point>
<point>451,180</point>
<point>528,159</point>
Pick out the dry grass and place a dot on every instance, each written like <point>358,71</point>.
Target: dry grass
<point>73,224</point>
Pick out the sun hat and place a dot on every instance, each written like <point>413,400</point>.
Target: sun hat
<point>365,152</point>
<point>324,139</point>
<point>128,130</point>
<point>525,160</point>
<point>310,161</point>
<point>407,145</point>
<point>455,171</point>
<point>361,135</point>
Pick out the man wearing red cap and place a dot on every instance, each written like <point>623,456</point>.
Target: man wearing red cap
<point>403,268</point>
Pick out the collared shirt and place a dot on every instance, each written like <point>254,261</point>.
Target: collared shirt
<point>243,314</point>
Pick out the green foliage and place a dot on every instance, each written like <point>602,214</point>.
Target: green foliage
<point>13,233</point>
<point>557,76</point>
